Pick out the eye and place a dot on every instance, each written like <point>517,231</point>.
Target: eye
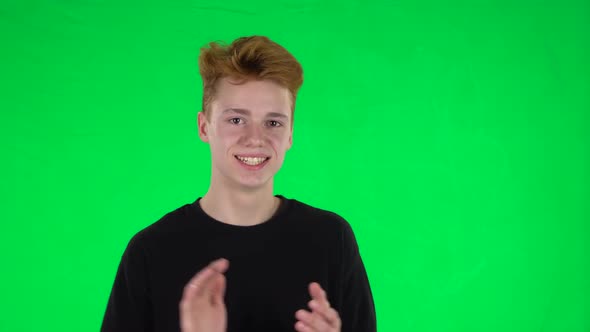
<point>274,123</point>
<point>236,121</point>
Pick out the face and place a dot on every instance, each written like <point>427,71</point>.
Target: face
<point>249,131</point>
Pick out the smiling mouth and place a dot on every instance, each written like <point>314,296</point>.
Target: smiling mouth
<point>252,161</point>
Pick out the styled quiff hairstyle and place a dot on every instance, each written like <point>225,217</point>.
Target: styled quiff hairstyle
<point>248,58</point>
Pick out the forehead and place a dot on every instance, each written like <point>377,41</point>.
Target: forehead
<point>256,96</point>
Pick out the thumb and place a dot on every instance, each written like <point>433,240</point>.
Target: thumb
<point>218,290</point>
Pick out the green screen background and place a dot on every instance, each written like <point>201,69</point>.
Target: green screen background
<point>453,136</point>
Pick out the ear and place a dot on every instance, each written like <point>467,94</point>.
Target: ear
<point>290,139</point>
<point>203,130</point>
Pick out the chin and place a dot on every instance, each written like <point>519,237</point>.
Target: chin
<point>253,185</point>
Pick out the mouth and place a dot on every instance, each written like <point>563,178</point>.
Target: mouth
<point>252,161</point>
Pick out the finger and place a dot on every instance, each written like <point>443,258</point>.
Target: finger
<point>301,327</point>
<point>321,305</point>
<point>311,321</point>
<point>318,294</point>
<point>202,280</point>
<point>199,284</point>
<point>218,290</point>
<point>220,265</point>
<point>330,315</point>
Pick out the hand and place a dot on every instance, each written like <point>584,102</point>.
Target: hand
<point>322,317</point>
<point>202,308</point>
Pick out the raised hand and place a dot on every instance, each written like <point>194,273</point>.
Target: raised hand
<point>322,317</point>
<point>202,308</point>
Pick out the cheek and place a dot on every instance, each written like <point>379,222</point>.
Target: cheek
<point>227,134</point>
<point>280,140</point>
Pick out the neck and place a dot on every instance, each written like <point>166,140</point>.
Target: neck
<point>240,207</point>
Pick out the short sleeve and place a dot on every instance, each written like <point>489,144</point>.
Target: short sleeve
<point>129,308</point>
<point>358,309</point>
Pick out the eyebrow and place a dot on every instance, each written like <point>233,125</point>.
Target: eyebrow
<point>244,111</point>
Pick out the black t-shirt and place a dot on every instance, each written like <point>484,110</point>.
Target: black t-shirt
<point>271,266</point>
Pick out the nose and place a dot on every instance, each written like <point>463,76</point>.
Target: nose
<point>253,136</point>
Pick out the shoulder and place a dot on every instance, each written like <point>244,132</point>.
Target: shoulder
<point>174,222</point>
<point>307,210</point>
<point>320,218</point>
<point>328,228</point>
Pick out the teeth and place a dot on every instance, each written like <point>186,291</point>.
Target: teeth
<point>252,161</point>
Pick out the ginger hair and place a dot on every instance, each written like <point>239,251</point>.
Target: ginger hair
<point>248,58</point>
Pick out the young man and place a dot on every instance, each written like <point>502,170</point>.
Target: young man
<point>241,258</point>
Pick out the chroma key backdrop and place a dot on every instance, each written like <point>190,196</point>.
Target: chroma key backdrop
<point>452,135</point>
